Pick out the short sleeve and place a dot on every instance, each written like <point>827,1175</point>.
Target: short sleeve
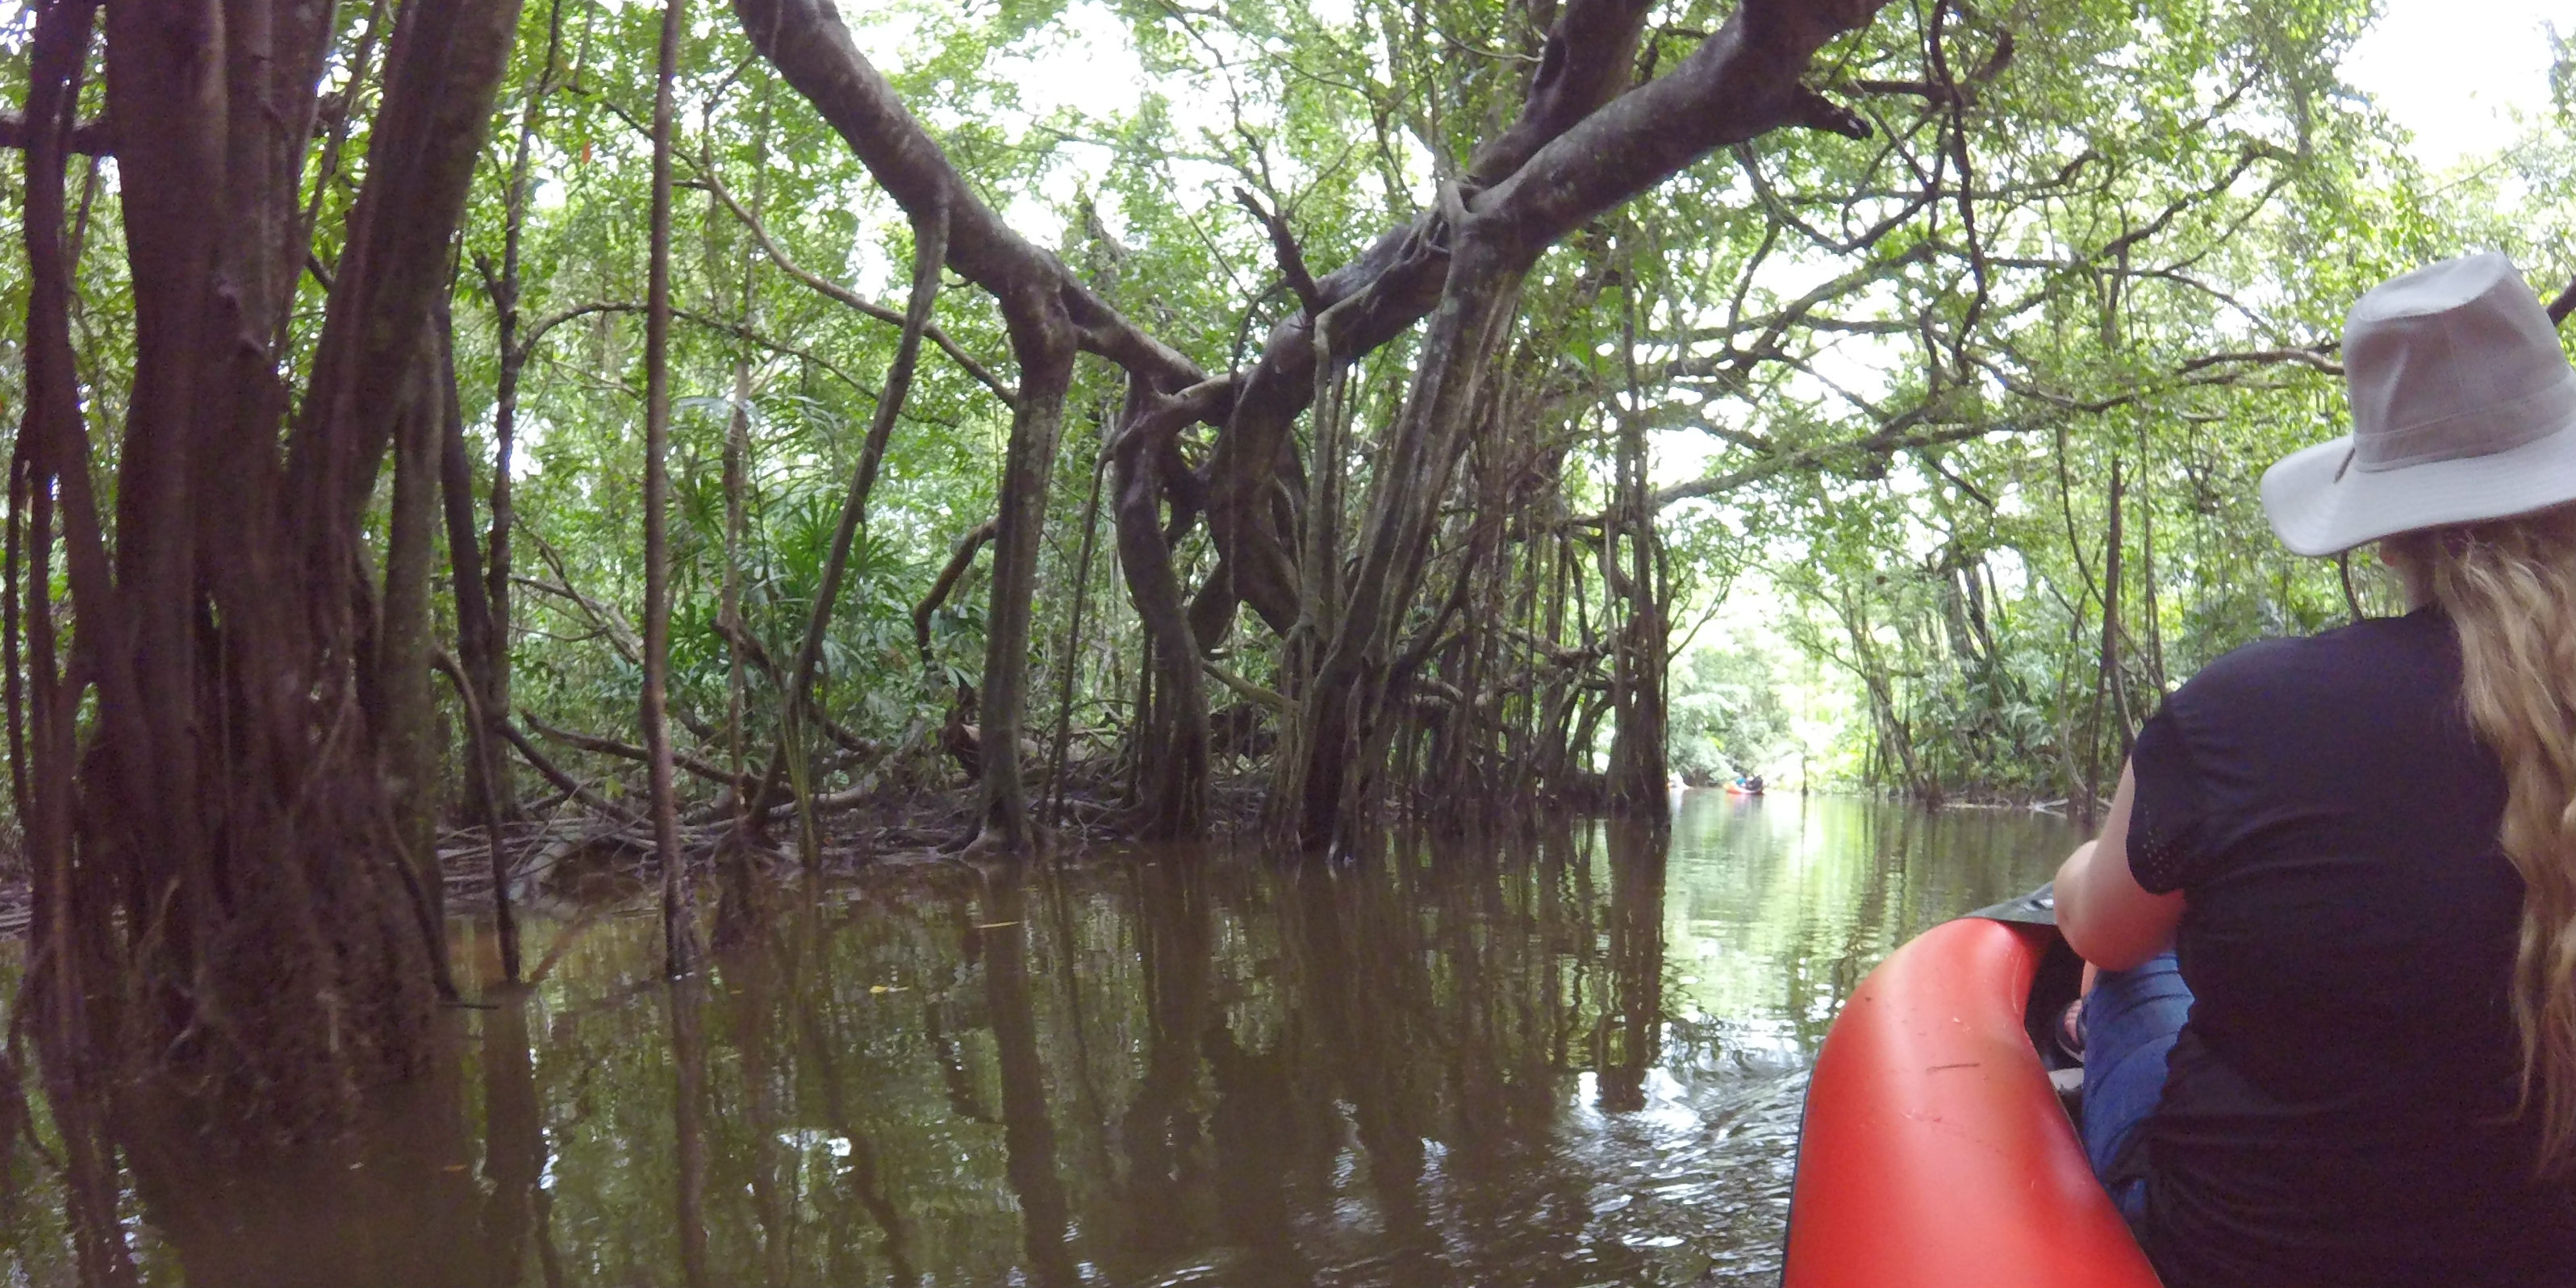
<point>2168,828</point>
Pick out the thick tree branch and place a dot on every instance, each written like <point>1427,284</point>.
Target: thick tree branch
<point>1591,53</point>
<point>811,47</point>
<point>1738,84</point>
<point>92,138</point>
<point>1817,112</point>
<point>1268,699</point>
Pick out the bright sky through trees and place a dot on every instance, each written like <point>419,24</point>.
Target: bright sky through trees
<point>2455,73</point>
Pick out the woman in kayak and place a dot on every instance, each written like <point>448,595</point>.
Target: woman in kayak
<point>2334,902</point>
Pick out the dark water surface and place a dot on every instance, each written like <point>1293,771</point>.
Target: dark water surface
<point>1573,1060</point>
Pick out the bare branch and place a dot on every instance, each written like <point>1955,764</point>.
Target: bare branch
<point>751,335</point>
<point>567,784</point>
<point>833,290</point>
<point>2314,359</point>
<point>1880,443</point>
<point>1292,261</point>
<point>959,560</point>
<point>1894,433</point>
<point>626,751</point>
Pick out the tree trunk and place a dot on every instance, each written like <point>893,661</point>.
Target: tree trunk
<point>1739,83</point>
<point>1044,343</point>
<point>733,861</point>
<point>2107,679</point>
<point>248,947</point>
<point>678,935</point>
<point>478,645</point>
<point>513,355</point>
<point>2147,581</point>
<point>408,740</point>
<point>930,242</point>
<point>1174,772</point>
<point>1345,704</point>
<point>735,911</point>
<point>1071,654</point>
<point>74,920</point>
<point>1638,771</point>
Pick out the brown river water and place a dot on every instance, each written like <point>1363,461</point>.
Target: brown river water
<point>1573,1059</point>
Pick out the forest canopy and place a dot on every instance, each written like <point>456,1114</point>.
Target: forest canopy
<point>442,423</point>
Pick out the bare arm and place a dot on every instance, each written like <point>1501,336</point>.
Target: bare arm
<point>2107,918</point>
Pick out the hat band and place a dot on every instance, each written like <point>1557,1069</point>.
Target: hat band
<point>2509,425</point>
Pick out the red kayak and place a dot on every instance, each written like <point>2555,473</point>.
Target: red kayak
<point>1935,1150</point>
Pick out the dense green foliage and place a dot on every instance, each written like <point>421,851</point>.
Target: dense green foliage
<point>1904,371</point>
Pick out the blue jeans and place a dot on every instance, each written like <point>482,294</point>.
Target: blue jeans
<point>2130,1023</point>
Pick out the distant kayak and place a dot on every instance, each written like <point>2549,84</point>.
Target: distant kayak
<point>1936,1150</point>
<point>1735,790</point>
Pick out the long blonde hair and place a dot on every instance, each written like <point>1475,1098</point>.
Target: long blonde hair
<point>2509,588</point>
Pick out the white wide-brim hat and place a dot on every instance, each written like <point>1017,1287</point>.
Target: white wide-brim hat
<point>2463,409</point>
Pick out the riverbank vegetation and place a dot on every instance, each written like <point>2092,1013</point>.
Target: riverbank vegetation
<point>459,432</point>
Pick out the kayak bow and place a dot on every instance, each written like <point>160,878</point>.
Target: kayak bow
<point>1935,1151</point>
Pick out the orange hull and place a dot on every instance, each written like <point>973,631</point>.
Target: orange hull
<point>1934,1151</point>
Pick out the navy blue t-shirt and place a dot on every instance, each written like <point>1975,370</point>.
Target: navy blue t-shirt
<point>2340,1107</point>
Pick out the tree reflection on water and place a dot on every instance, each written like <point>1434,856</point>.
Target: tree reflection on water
<point>1573,1057</point>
